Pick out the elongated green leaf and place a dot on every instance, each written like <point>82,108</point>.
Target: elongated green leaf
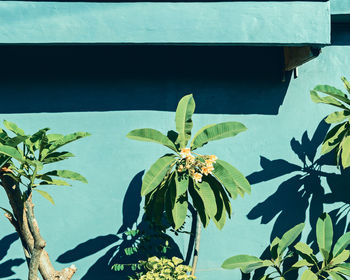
<point>225,198</point>
<point>11,152</point>
<point>46,196</point>
<point>335,276</point>
<point>198,204</point>
<point>151,135</point>
<point>182,181</point>
<point>342,243</point>
<point>54,137</point>
<point>343,268</point>
<point>306,252</point>
<point>240,261</point>
<point>65,140</point>
<point>183,119</point>
<point>229,176</point>
<point>324,234</point>
<point>155,175</point>
<point>216,132</point>
<point>326,100</point>
<point>289,237</point>
<point>15,141</point>
<point>57,156</point>
<point>251,267</point>
<point>345,152</point>
<point>155,207</point>
<point>179,210</point>
<point>346,84</point>
<point>337,117</point>
<point>55,182</point>
<point>14,128</point>
<point>342,257</point>
<point>301,263</point>
<point>67,174</point>
<point>207,194</point>
<point>334,137</point>
<point>274,247</point>
<point>308,275</point>
<point>332,91</point>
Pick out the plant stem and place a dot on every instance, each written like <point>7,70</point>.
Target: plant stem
<point>197,243</point>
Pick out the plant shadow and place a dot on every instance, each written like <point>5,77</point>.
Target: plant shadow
<point>133,241</point>
<point>305,193</point>
<point>7,265</point>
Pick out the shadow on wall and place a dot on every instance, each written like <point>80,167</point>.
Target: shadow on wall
<point>120,241</point>
<point>66,78</point>
<point>6,266</point>
<point>303,192</point>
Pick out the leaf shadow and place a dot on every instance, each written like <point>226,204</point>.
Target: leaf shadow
<point>7,265</point>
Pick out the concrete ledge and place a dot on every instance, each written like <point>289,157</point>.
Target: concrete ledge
<point>257,23</point>
<point>340,7</point>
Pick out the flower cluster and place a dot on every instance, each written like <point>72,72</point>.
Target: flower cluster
<point>197,166</point>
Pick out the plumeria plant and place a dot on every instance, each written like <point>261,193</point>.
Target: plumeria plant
<point>184,173</point>
<point>338,138</point>
<point>333,265</point>
<point>23,159</point>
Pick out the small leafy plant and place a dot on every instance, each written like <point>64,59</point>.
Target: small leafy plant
<point>338,138</point>
<point>170,269</point>
<point>333,266</point>
<point>174,177</point>
<point>23,158</point>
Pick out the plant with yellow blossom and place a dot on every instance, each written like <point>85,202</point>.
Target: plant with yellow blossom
<point>174,177</point>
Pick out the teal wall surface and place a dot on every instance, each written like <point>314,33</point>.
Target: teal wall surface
<point>81,227</point>
<point>277,22</point>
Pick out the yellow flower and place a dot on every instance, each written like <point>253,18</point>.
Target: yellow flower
<point>185,152</point>
<point>197,177</point>
<point>208,162</point>
<point>213,158</point>
<point>207,170</point>
<point>190,158</point>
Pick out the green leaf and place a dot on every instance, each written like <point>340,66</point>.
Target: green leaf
<point>343,269</point>
<point>182,181</point>
<point>334,137</point>
<point>208,197</point>
<point>151,135</point>
<point>335,276</point>
<point>15,141</point>
<point>57,156</point>
<point>326,100</point>
<point>305,252</point>
<point>65,140</point>
<point>183,119</point>
<point>11,152</point>
<point>54,137</point>
<point>302,263</point>
<point>346,84</point>
<point>342,257</point>
<point>308,275</point>
<point>155,175</point>
<point>332,91</point>
<point>342,243</point>
<point>274,247</point>
<point>240,261</point>
<point>216,132</point>
<point>179,210</point>
<point>14,128</point>
<point>324,234</point>
<point>67,174</point>
<point>231,178</point>
<point>336,117</point>
<point>289,237</point>
<point>198,204</point>
<point>251,267</point>
<point>45,195</point>
<point>54,182</point>
<point>345,152</point>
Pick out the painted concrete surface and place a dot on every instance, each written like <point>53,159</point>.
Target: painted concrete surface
<point>81,227</point>
<point>340,7</point>
<point>289,23</point>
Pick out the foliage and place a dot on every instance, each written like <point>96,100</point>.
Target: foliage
<point>156,269</point>
<point>174,177</point>
<point>333,266</point>
<point>23,157</point>
<point>338,138</point>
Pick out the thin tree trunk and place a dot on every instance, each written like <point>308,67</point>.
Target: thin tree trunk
<point>24,222</point>
<point>196,246</point>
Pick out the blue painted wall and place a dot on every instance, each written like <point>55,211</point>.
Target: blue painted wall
<point>110,90</point>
